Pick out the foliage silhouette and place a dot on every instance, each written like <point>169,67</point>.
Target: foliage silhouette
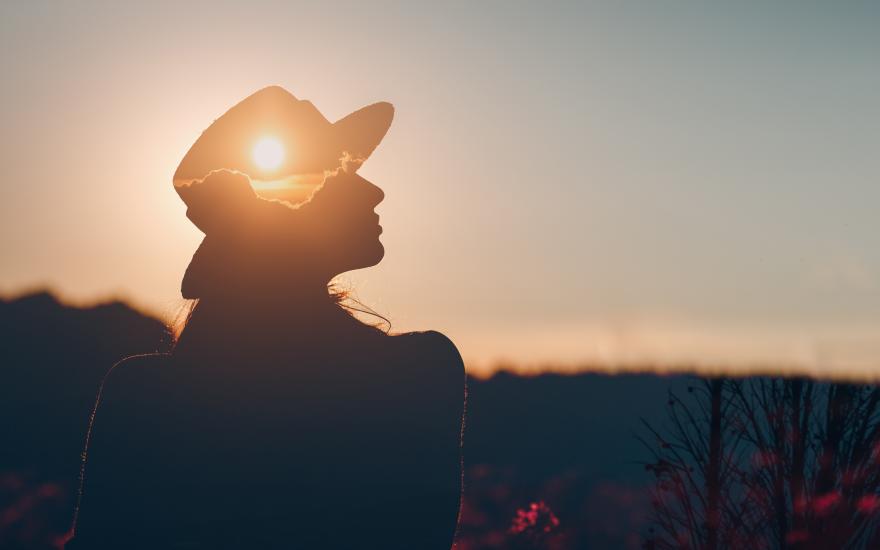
<point>785,463</point>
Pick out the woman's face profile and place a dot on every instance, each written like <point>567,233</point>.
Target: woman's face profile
<point>345,224</point>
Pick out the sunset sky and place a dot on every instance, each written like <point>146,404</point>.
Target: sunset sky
<point>616,183</point>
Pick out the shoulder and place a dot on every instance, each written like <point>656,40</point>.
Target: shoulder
<point>430,344</point>
<point>135,366</point>
<point>130,385</point>
<point>135,374</point>
<point>117,454</point>
<point>434,351</point>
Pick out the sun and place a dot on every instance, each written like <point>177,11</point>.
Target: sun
<point>268,153</point>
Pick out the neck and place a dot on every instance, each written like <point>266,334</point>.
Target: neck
<point>297,300</point>
<point>258,319</point>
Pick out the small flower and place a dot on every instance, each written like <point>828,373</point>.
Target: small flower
<point>868,504</point>
<point>535,521</point>
<point>823,504</point>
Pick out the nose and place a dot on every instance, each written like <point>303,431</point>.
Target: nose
<point>375,193</point>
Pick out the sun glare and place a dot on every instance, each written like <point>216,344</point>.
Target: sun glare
<point>268,153</point>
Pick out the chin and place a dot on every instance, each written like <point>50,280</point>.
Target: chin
<point>368,255</point>
<point>374,253</point>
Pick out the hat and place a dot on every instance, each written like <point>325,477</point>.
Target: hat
<point>284,145</point>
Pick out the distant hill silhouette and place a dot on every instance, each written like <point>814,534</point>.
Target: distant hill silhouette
<point>52,357</point>
<point>564,440</point>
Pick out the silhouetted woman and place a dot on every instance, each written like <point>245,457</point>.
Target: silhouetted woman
<point>279,420</point>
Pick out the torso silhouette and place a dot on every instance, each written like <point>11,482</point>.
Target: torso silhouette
<point>279,430</point>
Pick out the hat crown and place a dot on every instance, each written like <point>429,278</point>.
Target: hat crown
<point>309,144</point>
<point>271,112</point>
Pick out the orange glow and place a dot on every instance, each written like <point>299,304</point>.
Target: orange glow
<point>293,189</point>
<point>268,153</point>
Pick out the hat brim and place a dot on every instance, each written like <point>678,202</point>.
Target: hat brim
<point>360,132</point>
<point>313,145</point>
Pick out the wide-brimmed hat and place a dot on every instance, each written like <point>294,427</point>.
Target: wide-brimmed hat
<point>297,143</point>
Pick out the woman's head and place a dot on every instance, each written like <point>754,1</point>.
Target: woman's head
<point>254,244</point>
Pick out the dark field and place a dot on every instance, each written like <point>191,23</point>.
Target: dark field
<point>550,461</point>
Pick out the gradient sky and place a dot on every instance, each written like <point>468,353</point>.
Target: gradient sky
<point>617,183</point>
